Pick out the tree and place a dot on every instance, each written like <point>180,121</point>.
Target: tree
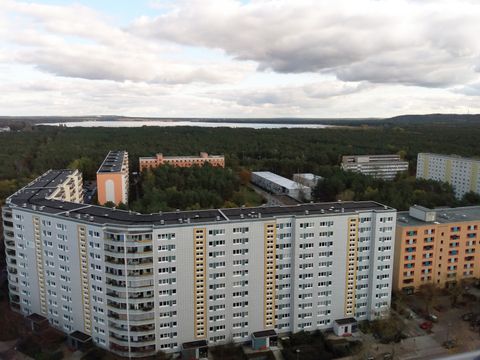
<point>427,293</point>
<point>455,291</point>
<point>86,166</point>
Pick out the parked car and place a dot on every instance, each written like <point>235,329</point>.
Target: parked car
<point>449,344</point>
<point>467,316</point>
<point>432,317</point>
<point>426,325</point>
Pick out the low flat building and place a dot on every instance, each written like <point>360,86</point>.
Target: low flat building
<point>438,246</point>
<point>384,167</point>
<point>462,173</point>
<point>279,185</point>
<point>112,179</point>
<point>180,161</point>
<point>307,179</point>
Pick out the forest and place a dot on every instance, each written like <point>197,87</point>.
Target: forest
<point>28,153</point>
<point>170,188</point>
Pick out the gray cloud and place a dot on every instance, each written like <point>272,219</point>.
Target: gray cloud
<point>425,44</point>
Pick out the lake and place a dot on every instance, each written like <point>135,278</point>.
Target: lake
<point>130,123</point>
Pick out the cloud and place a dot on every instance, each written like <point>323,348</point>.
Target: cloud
<point>306,96</point>
<point>74,41</point>
<point>392,41</point>
<point>226,58</point>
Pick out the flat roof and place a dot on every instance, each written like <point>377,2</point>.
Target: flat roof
<point>279,180</point>
<point>33,197</point>
<point>113,162</point>
<point>264,333</point>
<point>37,318</point>
<point>195,344</point>
<point>346,321</point>
<point>452,156</point>
<point>442,216</point>
<point>80,336</point>
<point>308,176</point>
<point>170,157</point>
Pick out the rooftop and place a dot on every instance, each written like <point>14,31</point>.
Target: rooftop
<point>264,333</point>
<point>113,162</point>
<point>309,176</point>
<point>279,180</point>
<point>33,197</point>
<point>442,216</point>
<point>346,321</point>
<point>451,156</point>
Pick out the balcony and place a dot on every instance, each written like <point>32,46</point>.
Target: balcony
<point>142,318</point>
<point>12,270</point>
<point>135,351</point>
<point>10,244</point>
<point>140,330</point>
<point>120,285</point>
<point>143,339</point>
<point>121,308</point>
<point>7,224</point>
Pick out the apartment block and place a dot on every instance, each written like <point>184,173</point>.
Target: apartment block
<point>139,283</point>
<point>112,178</point>
<point>462,173</point>
<point>379,166</point>
<point>279,185</point>
<point>437,246</point>
<point>181,161</point>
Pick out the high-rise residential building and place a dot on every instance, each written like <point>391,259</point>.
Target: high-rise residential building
<point>172,281</point>
<point>181,161</point>
<point>438,246</point>
<point>379,166</point>
<point>462,173</point>
<point>279,185</point>
<point>112,178</point>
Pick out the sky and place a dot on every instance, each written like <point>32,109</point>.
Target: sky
<point>231,58</point>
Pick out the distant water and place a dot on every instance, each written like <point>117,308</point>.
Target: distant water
<point>129,123</point>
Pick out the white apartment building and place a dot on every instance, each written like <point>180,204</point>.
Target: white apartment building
<point>379,166</point>
<point>139,283</point>
<point>462,173</point>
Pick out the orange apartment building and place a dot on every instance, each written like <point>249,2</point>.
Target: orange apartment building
<point>181,161</point>
<point>112,178</point>
<point>438,246</point>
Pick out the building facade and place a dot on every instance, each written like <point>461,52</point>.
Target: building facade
<point>307,179</point>
<point>436,246</point>
<point>181,161</point>
<point>379,166</point>
<point>141,283</point>
<point>279,185</point>
<point>112,178</point>
<point>462,173</point>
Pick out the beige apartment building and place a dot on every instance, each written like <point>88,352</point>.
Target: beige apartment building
<point>112,178</point>
<point>180,161</point>
<point>438,246</point>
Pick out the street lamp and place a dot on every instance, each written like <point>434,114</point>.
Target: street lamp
<point>298,353</point>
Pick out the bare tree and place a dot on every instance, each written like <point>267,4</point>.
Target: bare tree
<point>427,293</point>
